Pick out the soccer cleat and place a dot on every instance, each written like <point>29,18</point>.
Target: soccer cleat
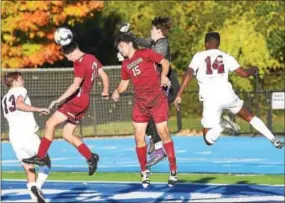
<point>38,193</point>
<point>277,143</point>
<point>36,160</point>
<point>145,178</point>
<point>226,123</point>
<point>92,163</point>
<point>156,157</point>
<point>172,178</point>
<point>151,147</point>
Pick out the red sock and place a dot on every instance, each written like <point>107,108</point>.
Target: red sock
<point>84,151</point>
<point>169,149</point>
<point>141,153</point>
<point>43,148</point>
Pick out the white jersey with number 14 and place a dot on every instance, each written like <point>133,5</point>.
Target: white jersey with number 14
<point>212,68</point>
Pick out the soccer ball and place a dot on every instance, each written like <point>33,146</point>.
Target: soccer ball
<point>63,36</point>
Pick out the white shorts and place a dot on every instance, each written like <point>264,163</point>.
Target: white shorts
<point>213,108</point>
<point>25,147</point>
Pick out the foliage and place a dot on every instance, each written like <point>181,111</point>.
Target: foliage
<point>253,32</point>
<point>28,27</point>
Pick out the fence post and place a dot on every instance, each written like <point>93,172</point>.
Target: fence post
<point>269,112</point>
<point>94,116</point>
<point>179,120</point>
<point>250,107</point>
<point>256,89</point>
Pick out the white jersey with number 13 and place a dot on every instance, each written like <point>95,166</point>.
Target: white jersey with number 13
<point>20,122</point>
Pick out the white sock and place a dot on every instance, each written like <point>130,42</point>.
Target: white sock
<point>158,145</point>
<point>214,133</point>
<point>261,127</point>
<point>29,186</point>
<point>42,175</point>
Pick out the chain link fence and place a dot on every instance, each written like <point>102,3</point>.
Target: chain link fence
<point>109,118</point>
<point>103,117</point>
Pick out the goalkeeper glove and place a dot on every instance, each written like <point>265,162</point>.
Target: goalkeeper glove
<point>120,57</point>
<point>125,27</point>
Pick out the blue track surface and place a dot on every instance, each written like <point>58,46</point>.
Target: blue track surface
<point>15,191</point>
<point>228,155</point>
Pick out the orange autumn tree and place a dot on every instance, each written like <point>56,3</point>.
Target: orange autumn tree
<point>28,27</point>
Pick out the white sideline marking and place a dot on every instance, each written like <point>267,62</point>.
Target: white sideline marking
<point>136,182</point>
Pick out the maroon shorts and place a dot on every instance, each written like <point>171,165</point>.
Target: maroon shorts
<point>142,112</point>
<point>75,108</point>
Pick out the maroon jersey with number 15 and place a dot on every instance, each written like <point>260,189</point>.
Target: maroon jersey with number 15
<point>141,70</point>
<point>150,98</point>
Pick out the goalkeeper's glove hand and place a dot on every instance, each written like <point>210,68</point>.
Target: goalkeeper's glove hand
<point>125,27</point>
<point>120,57</point>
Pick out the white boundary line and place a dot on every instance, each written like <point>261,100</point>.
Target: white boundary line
<point>159,183</point>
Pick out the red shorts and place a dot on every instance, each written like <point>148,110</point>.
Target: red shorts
<point>142,112</point>
<point>75,108</point>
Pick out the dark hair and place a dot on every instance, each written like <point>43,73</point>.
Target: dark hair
<point>212,36</point>
<point>162,23</point>
<point>125,38</point>
<point>10,77</point>
<point>69,48</point>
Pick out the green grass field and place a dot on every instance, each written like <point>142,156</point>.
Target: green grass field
<point>158,177</point>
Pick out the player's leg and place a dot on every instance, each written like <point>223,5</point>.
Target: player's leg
<point>258,124</point>
<point>69,136</point>
<point>169,149</point>
<point>155,143</point>
<point>152,133</point>
<point>46,141</point>
<point>140,119</point>
<point>141,150</point>
<point>43,172</point>
<point>24,149</point>
<point>157,153</point>
<point>34,191</point>
<point>160,116</point>
<point>212,111</point>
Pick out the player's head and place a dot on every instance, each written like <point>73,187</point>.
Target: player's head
<point>13,79</point>
<point>212,40</point>
<point>160,27</point>
<point>125,44</point>
<point>70,51</point>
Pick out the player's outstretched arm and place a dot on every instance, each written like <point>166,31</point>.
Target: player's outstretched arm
<point>125,28</point>
<point>245,73</point>
<point>22,106</point>
<point>105,79</point>
<point>187,77</point>
<point>147,43</point>
<point>70,91</point>
<point>121,88</point>
<point>165,68</point>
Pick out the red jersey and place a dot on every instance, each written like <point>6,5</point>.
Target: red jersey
<point>141,70</point>
<point>87,68</point>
